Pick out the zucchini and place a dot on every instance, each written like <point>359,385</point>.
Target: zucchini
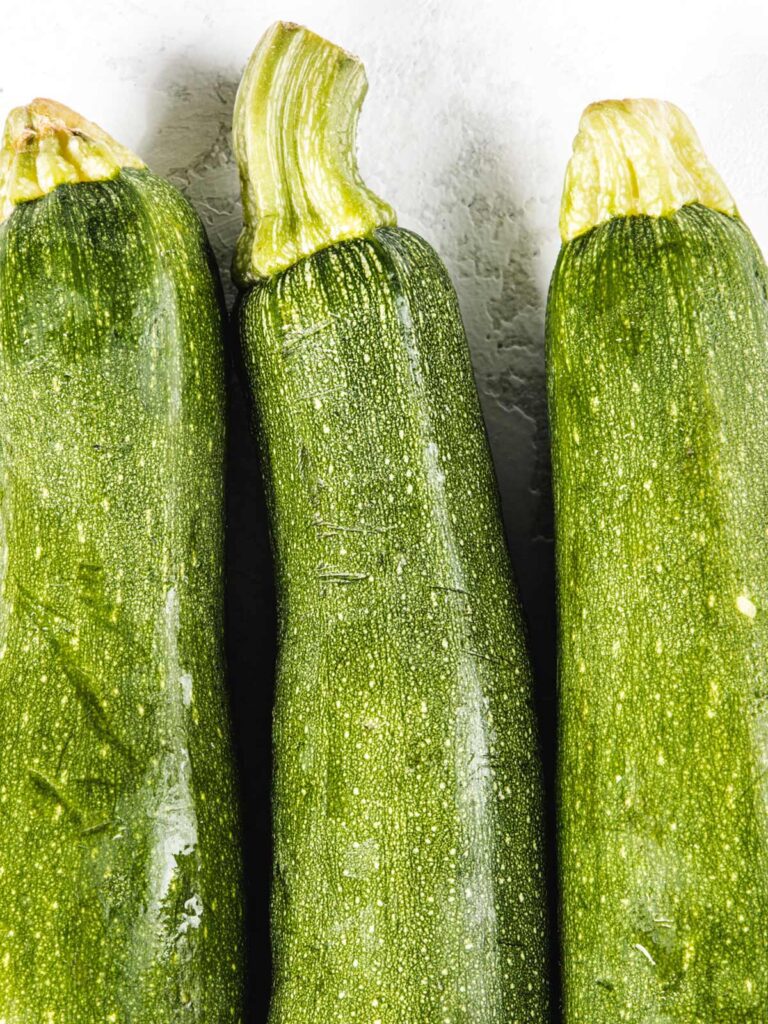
<point>119,862</point>
<point>407,797</point>
<point>658,394</point>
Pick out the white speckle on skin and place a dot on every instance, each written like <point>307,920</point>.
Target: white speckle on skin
<point>191,915</point>
<point>176,833</point>
<point>186,688</point>
<point>745,606</point>
<point>641,949</point>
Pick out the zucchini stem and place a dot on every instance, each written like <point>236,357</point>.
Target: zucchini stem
<point>45,144</point>
<point>636,157</point>
<point>295,126</point>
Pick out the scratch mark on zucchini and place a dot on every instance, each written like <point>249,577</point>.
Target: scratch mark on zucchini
<point>342,576</point>
<point>82,685</point>
<point>50,790</point>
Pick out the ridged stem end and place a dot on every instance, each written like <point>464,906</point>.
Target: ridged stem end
<point>636,157</point>
<point>45,144</point>
<point>294,133</point>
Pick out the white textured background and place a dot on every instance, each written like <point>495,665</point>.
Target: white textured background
<point>466,130</point>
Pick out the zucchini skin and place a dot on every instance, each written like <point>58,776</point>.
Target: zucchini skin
<point>407,807</point>
<point>119,864</point>
<point>658,392</point>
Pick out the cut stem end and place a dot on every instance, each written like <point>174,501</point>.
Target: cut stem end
<point>636,157</point>
<point>45,144</point>
<point>294,133</point>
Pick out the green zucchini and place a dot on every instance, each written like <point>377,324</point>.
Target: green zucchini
<point>658,393</point>
<point>119,864</point>
<point>407,806</point>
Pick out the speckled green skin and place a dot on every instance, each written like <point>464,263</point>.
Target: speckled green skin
<point>119,866</point>
<point>408,833</point>
<point>658,377</point>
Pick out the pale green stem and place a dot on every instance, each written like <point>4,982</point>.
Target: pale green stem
<point>295,125</point>
<point>46,145</point>
<point>636,157</point>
